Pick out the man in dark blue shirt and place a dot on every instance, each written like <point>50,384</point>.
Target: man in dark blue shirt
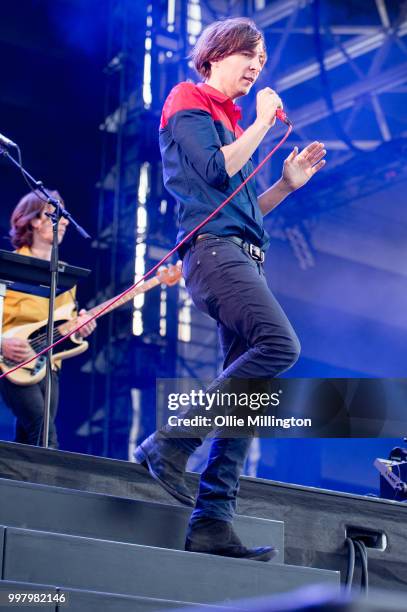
<point>197,121</point>
<point>206,156</point>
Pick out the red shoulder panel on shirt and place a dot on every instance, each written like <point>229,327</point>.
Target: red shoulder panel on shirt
<point>183,96</point>
<point>188,96</point>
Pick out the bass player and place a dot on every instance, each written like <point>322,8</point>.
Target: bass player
<point>31,235</point>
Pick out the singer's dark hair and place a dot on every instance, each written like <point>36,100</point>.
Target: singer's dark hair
<point>224,38</point>
<point>30,207</point>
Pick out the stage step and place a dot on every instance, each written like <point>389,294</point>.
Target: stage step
<point>72,512</point>
<point>315,520</point>
<point>131,569</point>
<point>80,600</point>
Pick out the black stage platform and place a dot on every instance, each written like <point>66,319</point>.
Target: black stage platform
<point>94,508</point>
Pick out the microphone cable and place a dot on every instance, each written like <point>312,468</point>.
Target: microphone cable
<point>280,114</point>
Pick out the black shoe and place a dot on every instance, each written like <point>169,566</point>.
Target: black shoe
<point>166,464</point>
<point>215,537</point>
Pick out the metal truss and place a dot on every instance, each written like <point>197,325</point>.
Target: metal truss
<point>346,52</point>
<point>344,98</point>
<point>276,11</point>
<point>111,362</point>
<point>377,39</point>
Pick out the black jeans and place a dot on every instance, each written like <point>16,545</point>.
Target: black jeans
<point>257,340</point>
<point>27,405</point>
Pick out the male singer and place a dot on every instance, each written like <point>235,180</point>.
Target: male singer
<point>206,156</point>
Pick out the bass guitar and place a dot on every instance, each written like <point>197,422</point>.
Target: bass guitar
<point>36,333</point>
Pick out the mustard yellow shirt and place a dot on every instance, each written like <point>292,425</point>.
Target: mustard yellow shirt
<point>21,308</point>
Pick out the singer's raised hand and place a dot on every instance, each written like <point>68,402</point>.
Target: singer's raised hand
<point>298,168</point>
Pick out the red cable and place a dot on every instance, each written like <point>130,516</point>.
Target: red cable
<point>154,268</point>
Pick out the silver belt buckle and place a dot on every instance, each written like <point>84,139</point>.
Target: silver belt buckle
<point>256,253</point>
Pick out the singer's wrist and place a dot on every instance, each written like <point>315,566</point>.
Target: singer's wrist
<point>284,186</point>
<point>262,125</point>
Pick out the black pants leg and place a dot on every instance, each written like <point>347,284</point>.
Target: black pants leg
<point>257,340</point>
<point>27,405</point>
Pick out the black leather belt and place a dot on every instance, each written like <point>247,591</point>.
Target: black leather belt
<point>254,251</point>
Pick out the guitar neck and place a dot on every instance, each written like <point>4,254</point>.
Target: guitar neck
<point>97,310</point>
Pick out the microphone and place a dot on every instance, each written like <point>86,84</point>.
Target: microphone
<point>280,114</point>
<point>6,142</point>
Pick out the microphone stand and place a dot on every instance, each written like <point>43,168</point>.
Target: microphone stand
<point>55,217</point>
